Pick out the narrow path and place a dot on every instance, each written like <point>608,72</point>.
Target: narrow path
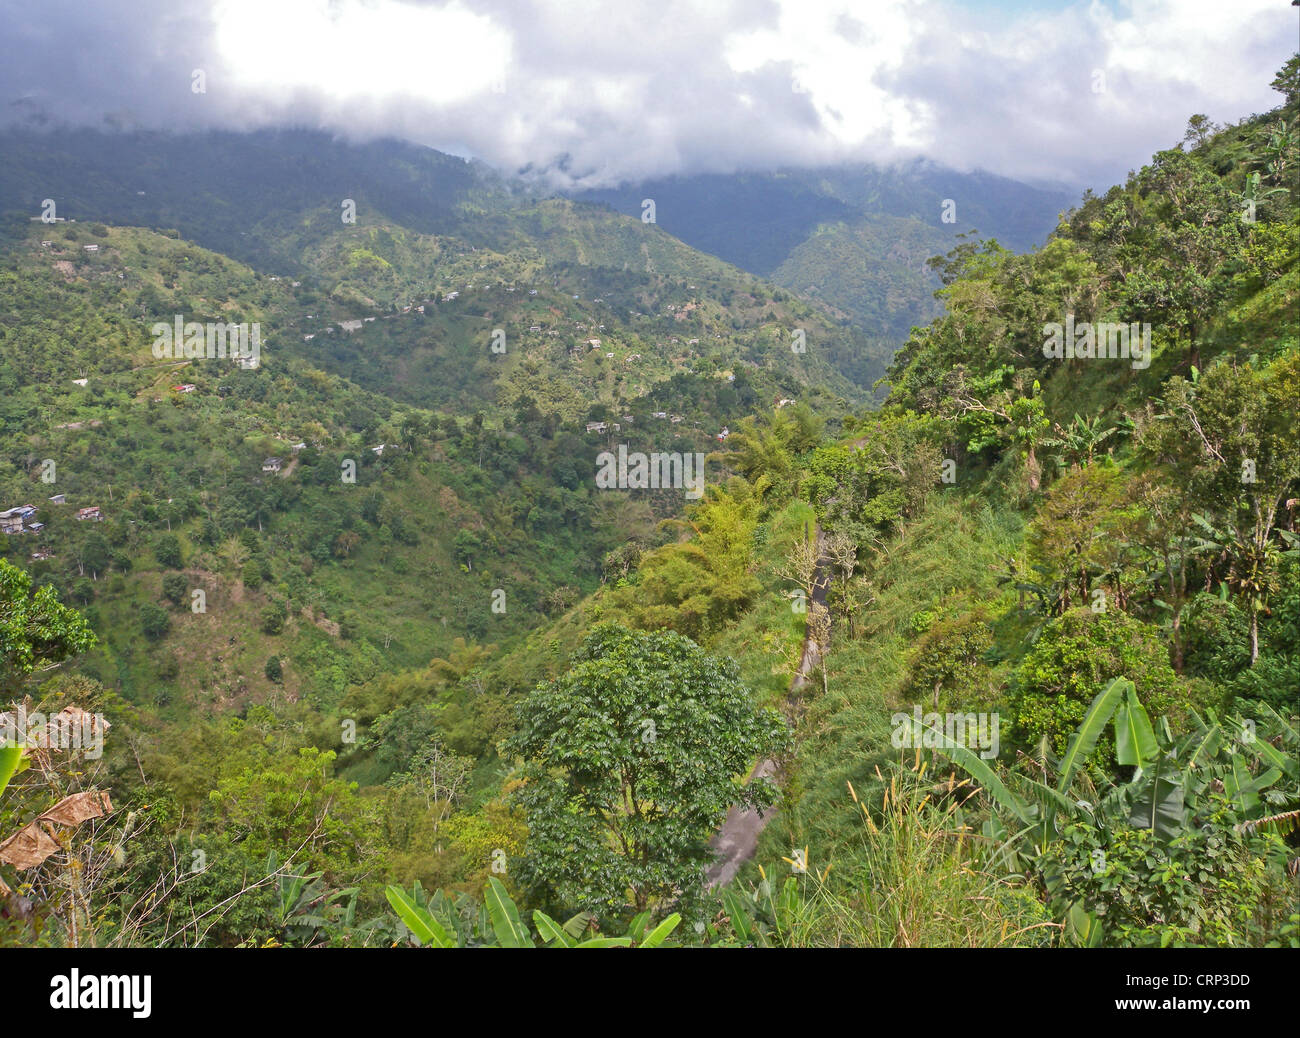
<point>737,840</point>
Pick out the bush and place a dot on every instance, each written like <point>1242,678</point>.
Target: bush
<point>1077,655</point>
<point>154,621</point>
<point>273,617</point>
<point>167,551</point>
<point>176,587</point>
<point>274,672</point>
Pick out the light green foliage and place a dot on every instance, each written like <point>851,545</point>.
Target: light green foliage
<point>36,630</point>
<point>1078,655</point>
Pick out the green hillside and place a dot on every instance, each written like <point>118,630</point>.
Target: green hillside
<point>1013,654</point>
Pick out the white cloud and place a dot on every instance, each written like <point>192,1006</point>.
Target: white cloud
<point>641,88</point>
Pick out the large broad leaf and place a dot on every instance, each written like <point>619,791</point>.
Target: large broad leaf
<point>1047,804</point>
<point>1135,739</point>
<point>1085,737</point>
<point>740,921</point>
<point>426,929</point>
<point>10,758</point>
<point>660,933</point>
<point>974,766</point>
<point>1203,745</point>
<point>606,942</point>
<point>509,928</point>
<point>1287,763</point>
<point>1084,926</point>
<point>577,925</point>
<point>550,931</point>
<point>1159,805</point>
<point>1244,788</point>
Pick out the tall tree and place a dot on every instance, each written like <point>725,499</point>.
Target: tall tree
<point>631,761</point>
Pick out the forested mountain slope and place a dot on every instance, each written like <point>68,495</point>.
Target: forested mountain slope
<point>1059,686</point>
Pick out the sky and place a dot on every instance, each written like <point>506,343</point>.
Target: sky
<point>588,93</point>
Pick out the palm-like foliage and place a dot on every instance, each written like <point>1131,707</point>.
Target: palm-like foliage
<point>438,922</point>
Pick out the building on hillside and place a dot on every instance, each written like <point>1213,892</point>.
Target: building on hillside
<point>11,521</point>
<point>271,465</point>
<point>92,513</point>
<point>598,427</point>
<point>58,499</point>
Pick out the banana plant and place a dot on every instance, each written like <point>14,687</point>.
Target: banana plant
<point>1035,811</point>
<point>1169,780</point>
<point>12,761</point>
<point>503,926</point>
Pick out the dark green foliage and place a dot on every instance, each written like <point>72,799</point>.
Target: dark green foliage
<point>630,761</point>
<point>154,621</point>
<point>167,550</point>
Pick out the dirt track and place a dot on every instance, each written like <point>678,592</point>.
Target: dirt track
<point>737,840</point>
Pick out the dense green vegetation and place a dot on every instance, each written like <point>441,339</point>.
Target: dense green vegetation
<point>1021,643</point>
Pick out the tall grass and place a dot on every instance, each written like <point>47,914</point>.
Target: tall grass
<point>916,882</point>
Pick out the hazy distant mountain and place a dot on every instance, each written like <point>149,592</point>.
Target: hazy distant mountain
<point>855,236</point>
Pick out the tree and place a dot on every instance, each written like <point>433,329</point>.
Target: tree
<point>176,587</point>
<point>168,551</point>
<point>630,762</point>
<point>1199,129</point>
<point>698,585</point>
<point>1287,80</point>
<point>1229,434</point>
<point>273,616</point>
<point>37,632</point>
<point>154,621</point>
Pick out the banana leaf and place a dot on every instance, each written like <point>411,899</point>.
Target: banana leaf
<point>1135,739</point>
<point>1159,805</point>
<point>1085,737</point>
<point>509,928</point>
